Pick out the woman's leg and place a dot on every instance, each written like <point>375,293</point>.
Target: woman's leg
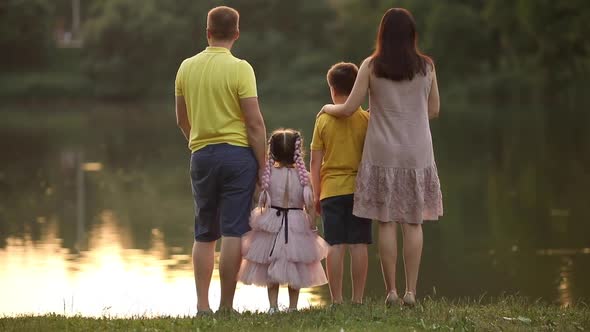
<point>334,267</point>
<point>293,298</point>
<point>273,295</point>
<point>359,264</point>
<point>388,253</point>
<point>412,235</point>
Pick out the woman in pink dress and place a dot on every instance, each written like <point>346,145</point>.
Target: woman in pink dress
<point>397,180</point>
<point>283,247</point>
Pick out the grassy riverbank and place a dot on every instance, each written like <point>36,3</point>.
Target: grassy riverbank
<point>509,313</point>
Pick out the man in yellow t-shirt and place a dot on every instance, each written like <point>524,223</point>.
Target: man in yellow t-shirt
<point>217,111</point>
<point>336,151</point>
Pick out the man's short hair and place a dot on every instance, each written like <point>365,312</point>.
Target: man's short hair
<point>222,22</point>
<point>341,77</point>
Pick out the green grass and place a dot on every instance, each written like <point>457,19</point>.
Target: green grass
<point>507,313</point>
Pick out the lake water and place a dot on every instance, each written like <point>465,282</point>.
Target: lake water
<point>96,210</point>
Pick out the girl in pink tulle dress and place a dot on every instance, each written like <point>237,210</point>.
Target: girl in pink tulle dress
<point>283,247</point>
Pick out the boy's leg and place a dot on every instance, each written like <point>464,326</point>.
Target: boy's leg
<point>273,296</point>
<point>238,181</point>
<point>412,235</point>
<point>334,269</point>
<point>359,236</point>
<point>359,264</point>
<point>334,218</point>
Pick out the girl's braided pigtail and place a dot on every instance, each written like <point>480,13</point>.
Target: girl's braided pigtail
<point>264,199</point>
<point>303,174</point>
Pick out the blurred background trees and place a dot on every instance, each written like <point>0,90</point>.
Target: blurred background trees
<point>501,49</point>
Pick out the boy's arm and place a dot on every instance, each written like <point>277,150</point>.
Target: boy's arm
<point>315,166</point>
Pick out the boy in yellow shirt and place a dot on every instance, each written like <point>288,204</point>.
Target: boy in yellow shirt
<point>336,151</point>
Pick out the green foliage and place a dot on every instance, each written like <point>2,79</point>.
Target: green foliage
<point>126,44</point>
<point>523,49</point>
<point>25,32</point>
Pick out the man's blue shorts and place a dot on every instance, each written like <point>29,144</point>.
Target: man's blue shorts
<point>223,178</point>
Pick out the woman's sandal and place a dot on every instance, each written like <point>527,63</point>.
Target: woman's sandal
<point>392,299</point>
<point>409,299</point>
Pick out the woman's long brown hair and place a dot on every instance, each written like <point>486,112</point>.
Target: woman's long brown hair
<point>396,55</point>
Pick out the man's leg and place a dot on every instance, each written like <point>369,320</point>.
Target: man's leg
<point>334,267</point>
<point>359,264</point>
<point>204,186</point>
<point>203,261</point>
<point>238,181</point>
<point>229,266</point>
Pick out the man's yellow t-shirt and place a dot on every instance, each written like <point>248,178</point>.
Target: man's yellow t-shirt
<point>212,83</point>
<point>342,141</point>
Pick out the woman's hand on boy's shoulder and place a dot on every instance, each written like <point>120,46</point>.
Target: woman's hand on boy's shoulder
<point>324,109</point>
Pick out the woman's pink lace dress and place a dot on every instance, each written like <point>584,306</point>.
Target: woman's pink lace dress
<point>397,179</point>
<point>282,248</point>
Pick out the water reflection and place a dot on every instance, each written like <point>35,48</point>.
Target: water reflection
<point>565,289</point>
<point>109,278</point>
<point>100,221</point>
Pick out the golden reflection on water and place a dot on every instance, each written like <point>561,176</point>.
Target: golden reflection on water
<point>109,278</point>
<point>565,288</point>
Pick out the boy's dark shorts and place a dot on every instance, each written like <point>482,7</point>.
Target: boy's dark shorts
<point>340,225</point>
<point>223,178</point>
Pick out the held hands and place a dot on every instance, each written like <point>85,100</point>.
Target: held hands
<point>318,206</point>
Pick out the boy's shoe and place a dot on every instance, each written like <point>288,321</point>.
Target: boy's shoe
<point>204,313</point>
<point>227,311</point>
<point>292,310</point>
<point>410,299</point>
<point>336,305</point>
<point>392,299</point>
<point>273,310</point>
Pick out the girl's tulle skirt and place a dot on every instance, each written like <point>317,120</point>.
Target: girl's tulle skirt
<point>271,257</point>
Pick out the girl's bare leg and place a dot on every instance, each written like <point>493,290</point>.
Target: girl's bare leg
<point>293,298</point>
<point>273,295</point>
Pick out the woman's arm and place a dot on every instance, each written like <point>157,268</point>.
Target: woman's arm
<point>357,95</point>
<point>433,98</point>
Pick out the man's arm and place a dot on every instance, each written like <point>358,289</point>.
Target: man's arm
<point>256,130</point>
<point>315,167</point>
<point>182,117</point>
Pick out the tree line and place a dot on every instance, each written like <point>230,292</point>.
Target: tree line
<point>516,49</point>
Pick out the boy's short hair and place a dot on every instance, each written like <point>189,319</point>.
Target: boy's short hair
<point>341,77</point>
<point>222,22</point>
